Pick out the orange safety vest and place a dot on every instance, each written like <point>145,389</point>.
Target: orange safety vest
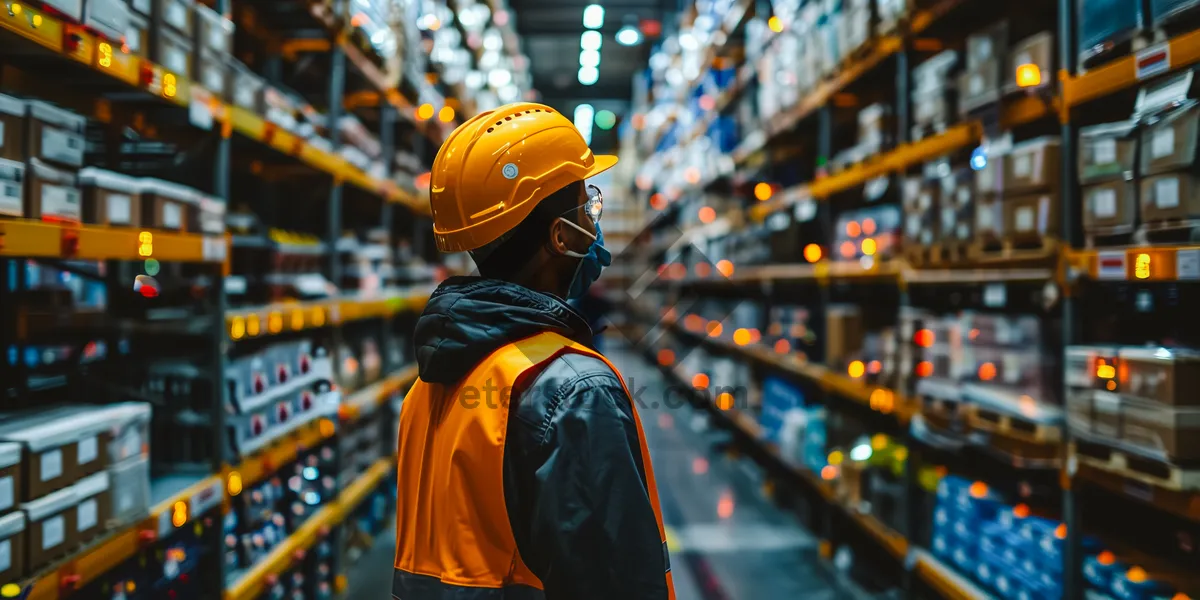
<point>453,537</point>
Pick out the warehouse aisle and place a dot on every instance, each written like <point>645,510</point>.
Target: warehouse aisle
<point>728,542</point>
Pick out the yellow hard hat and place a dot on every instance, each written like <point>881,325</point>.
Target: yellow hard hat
<point>495,168</point>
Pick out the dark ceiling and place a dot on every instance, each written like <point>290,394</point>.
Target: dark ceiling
<point>550,30</point>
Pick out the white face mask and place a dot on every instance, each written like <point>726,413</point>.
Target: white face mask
<point>571,253</point>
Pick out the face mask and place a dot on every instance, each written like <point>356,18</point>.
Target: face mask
<point>590,264</point>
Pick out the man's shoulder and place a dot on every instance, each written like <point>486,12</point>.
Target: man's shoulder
<point>569,382</point>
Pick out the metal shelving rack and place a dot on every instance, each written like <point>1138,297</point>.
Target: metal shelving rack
<point>1066,263</point>
<point>27,31</point>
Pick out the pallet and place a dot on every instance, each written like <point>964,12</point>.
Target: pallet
<point>1109,237</point>
<point>1009,250</point>
<point>1013,426</point>
<point>1137,467</point>
<point>1173,231</point>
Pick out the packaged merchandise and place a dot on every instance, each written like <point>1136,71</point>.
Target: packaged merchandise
<point>1165,11</point>
<point>177,14</point>
<point>1036,51</point>
<point>1030,219</point>
<point>844,333</point>
<point>10,476</point>
<point>1105,24</point>
<point>12,547</point>
<point>12,128</point>
<point>173,50</point>
<point>50,525</point>
<point>12,183</point>
<point>1169,196</point>
<point>55,134</point>
<point>1169,139</point>
<point>1110,207</point>
<point>1032,165</point>
<point>94,506</point>
<point>166,205</point>
<point>109,17</point>
<point>110,198</point>
<point>59,447</point>
<point>53,194</point>
<point>1161,375</point>
<point>137,34</point>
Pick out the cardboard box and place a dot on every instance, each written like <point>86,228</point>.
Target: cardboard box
<point>1029,219</point>
<point>843,334</point>
<point>247,87</point>
<point>208,215</point>
<point>1169,140</point>
<point>1162,375</point>
<point>987,45</point>
<point>174,52</point>
<point>137,35</point>
<point>1032,166</point>
<point>166,205</point>
<point>1110,206</point>
<point>10,476</point>
<point>1107,152</point>
<point>1168,432</point>
<point>214,33</point>
<point>110,198</point>
<point>12,188</point>
<point>128,425</point>
<point>50,522</point>
<point>989,181</point>
<point>58,447</point>
<point>55,134</point>
<point>12,547</point>
<point>920,216</point>
<point>1169,196</point>
<point>980,86</point>
<point>141,8</point>
<point>989,219</point>
<point>53,194</point>
<point>94,506</point>
<point>176,14</point>
<point>109,17</point>
<point>12,128</point>
<point>212,73</point>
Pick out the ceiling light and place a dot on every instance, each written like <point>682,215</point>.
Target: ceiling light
<point>584,113</point>
<point>605,119</point>
<point>591,40</point>
<point>593,16</point>
<point>588,75</point>
<point>629,36</point>
<point>499,78</point>
<point>589,58</point>
<point>688,41</point>
<point>509,93</point>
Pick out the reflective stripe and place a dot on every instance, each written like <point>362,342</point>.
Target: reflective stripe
<point>408,586</point>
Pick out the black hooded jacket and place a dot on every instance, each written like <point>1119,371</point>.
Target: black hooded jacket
<point>574,482</point>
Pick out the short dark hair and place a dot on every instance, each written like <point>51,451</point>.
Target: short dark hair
<point>505,258</point>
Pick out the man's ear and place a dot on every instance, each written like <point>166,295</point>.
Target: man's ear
<point>557,242</point>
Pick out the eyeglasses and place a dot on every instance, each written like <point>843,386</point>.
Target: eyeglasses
<point>595,203</point>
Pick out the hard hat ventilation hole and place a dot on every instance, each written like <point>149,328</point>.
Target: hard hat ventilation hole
<point>507,118</point>
<point>491,129</point>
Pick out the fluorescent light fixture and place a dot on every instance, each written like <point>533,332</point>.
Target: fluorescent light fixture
<point>591,40</point>
<point>499,78</point>
<point>589,75</point>
<point>593,16</point>
<point>629,36</point>
<point>589,58</point>
<point>584,113</point>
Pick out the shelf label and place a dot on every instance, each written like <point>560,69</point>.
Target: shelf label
<point>207,498</point>
<point>1110,265</point>
<point>212,249</point>
<point>1187,264</point>
<point>199,111</point>
<point>1153,60</point>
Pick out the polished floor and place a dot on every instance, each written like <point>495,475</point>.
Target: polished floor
<point>727,540</point>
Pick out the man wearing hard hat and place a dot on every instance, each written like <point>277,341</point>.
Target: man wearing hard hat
<point>523,468</point>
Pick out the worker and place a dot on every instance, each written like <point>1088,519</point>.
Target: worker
<point>523,471</point>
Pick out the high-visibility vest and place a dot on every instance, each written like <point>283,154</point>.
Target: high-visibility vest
<point>453,536</point>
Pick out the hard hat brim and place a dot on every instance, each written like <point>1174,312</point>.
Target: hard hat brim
<point>602,163</point>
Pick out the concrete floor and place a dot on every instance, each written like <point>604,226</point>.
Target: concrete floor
<point>727,541</point>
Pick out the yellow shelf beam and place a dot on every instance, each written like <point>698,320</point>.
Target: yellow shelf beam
<point>1181,51</point>
<point>1149,263</point>
<point>38,239</point>
<point>279,560</point>
<point>275,319</point>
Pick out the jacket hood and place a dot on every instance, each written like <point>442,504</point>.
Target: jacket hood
<point>468,318</point>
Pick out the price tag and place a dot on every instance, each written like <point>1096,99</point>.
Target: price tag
<point>199,113</point>
<point>1187,264</point>
<point>1110,265</point>
<point>213,249</point>
<point>1153,60</point>
<point>995,295</point>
